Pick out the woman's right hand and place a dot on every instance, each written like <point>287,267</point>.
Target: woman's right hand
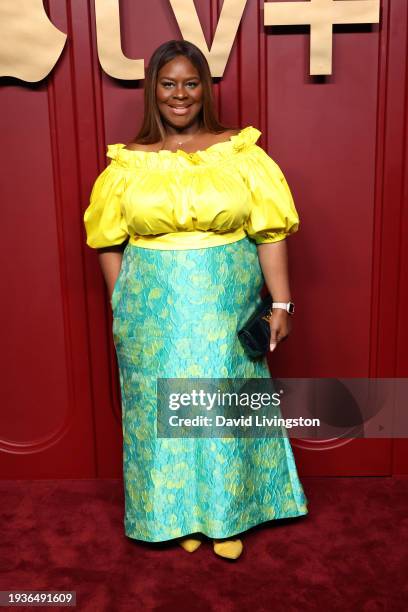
<point>111,262</point>
<point>111,288</point>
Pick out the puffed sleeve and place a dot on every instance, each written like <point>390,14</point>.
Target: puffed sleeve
<point>104,223</point>
<point>273,215</point>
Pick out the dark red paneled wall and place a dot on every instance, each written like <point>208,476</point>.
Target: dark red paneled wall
<point>341,141</point>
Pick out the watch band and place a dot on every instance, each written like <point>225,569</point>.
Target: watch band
<point>288,306</point>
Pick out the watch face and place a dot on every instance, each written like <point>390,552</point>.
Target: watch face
<point>291,308</point>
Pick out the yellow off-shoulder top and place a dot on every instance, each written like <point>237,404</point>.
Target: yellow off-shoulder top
<point>179,200</point>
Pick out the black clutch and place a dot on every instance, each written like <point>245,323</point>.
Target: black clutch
<point>255,334</point>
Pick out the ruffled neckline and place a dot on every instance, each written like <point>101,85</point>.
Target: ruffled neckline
<point>165,158</point>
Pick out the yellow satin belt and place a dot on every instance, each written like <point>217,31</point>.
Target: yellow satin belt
<point>187,240</point>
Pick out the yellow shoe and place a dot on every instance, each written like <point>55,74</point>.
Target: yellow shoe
<point>230,549</point>
<point>190,544</point>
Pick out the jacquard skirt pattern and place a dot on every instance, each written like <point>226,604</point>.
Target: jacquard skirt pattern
<point>176,315</point>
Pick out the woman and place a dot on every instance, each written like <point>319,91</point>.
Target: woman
<point>205,213</point>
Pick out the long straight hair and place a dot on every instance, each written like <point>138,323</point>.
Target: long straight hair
<point>152,129</point>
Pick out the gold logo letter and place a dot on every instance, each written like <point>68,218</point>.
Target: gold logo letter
<point>110,51</point>
<point>321,15</point>
<point>191,30</point>
<point>30,44</point>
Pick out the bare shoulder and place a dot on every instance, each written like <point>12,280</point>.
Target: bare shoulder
<point>229,133</point>
<point>234,132</point>
<point>135,146</point>
<point>224,136</point>
<point>208,140</point>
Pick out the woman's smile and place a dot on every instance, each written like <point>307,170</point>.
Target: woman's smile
<point>180,110</point>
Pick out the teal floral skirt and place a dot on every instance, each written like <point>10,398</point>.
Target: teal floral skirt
<point>175,315</point>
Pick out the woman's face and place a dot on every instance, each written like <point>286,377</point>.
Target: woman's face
<point>179,92</point>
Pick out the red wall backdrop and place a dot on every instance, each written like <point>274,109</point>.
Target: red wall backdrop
<point>341,141</point>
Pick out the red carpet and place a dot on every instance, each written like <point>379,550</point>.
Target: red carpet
<point>349,553</point>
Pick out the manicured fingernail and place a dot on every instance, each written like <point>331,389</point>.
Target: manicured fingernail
<point>272,347</point>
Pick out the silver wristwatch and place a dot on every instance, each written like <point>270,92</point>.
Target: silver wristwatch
<point>288,306</point>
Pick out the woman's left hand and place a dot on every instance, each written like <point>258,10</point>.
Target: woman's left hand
<point>280,326</point>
